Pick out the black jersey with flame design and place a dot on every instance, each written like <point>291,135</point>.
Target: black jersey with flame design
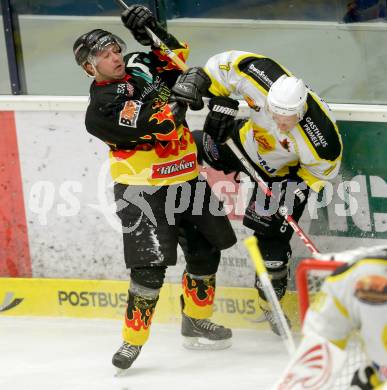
<point>132,116</point>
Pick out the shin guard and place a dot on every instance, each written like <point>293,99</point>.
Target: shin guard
<point>138,318</point>
<point>198,295</point>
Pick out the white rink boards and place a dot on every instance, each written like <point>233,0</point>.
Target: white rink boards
<point>75,354</point>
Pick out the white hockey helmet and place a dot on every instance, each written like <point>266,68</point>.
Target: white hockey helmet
<point>287,96</point>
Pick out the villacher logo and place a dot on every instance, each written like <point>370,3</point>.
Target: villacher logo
<point>9,302</point>
<point>179,167</point>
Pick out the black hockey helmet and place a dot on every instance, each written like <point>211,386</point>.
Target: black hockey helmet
<point>87,45</point>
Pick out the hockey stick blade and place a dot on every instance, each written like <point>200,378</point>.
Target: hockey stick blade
<point>251,244</point>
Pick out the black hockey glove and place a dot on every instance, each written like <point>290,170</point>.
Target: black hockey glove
<point>265,213</point>
<point>220,120</point>
<point>136,18</point>
<point>365,378</point>
<point>190,87</point>
<point>293,193</point>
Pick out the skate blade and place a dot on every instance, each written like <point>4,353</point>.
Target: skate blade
<point>202,344</point>
<point>121,372</point>
<point>258,320</point>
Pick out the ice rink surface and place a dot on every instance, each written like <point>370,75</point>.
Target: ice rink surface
<point>75,354</point>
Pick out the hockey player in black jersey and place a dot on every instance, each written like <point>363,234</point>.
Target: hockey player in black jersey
<point>153,160</point>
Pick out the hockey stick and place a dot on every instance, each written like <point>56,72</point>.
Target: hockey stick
<point>160,44</point>
<point>251,244</point>
<point>266,190</point>
<point>352,255</point>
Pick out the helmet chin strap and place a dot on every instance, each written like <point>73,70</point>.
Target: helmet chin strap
<point>95,70</point>
<point>89,75</point>
<point>300,115</point>
<point>92,76</point>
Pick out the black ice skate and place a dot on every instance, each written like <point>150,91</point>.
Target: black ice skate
<point>204,334</point>
<point>271,319</point>
<point>125,356</point>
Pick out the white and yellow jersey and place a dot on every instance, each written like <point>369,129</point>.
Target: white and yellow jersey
<point>354,298</point>
<point>314,146</point>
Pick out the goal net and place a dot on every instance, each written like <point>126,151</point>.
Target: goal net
<point>310,275</point>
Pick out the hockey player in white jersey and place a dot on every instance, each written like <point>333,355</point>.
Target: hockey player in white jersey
<point>353,298</point>
<point>290,138</point>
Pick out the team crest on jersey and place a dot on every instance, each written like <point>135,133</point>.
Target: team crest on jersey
<point>372,289</point>
<point>129,114</point>
<point>266,141</point>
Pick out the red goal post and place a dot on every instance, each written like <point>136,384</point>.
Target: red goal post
<point>310,275</point>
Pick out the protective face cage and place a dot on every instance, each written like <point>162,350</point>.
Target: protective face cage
<point>88,46</point>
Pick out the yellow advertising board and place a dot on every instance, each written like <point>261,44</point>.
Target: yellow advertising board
<point>234,307</point>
